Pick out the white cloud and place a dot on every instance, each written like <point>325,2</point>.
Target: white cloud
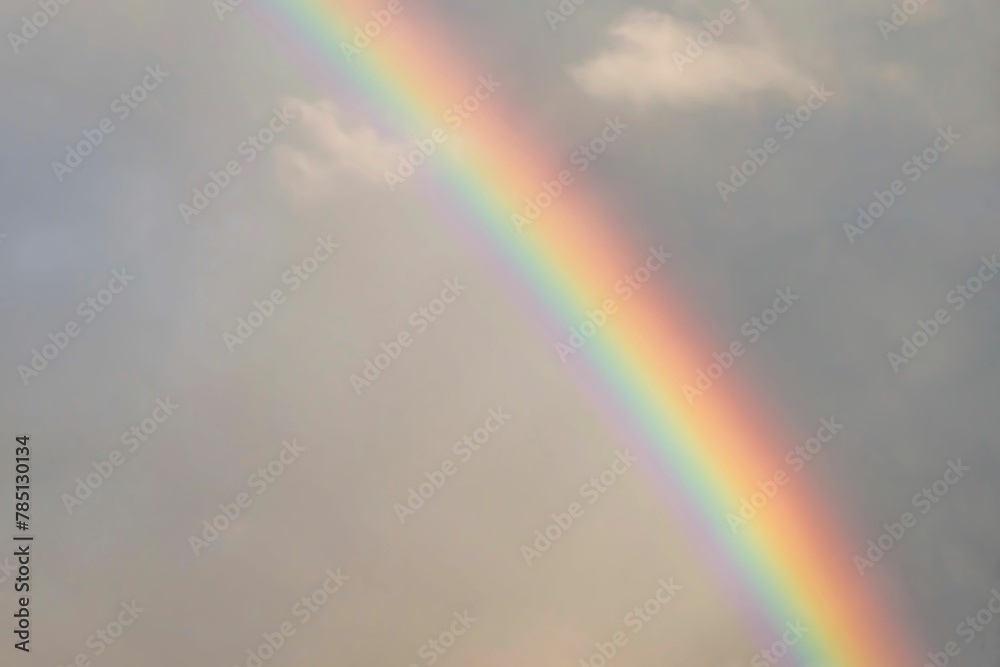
<point>641,67</point>
<point>324,154</point>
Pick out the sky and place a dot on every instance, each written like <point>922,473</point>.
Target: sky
<point>153,411</point>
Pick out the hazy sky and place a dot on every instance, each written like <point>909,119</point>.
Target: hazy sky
<point>97,257</point>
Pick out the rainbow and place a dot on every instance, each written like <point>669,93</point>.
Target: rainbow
<point>793,562</point>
